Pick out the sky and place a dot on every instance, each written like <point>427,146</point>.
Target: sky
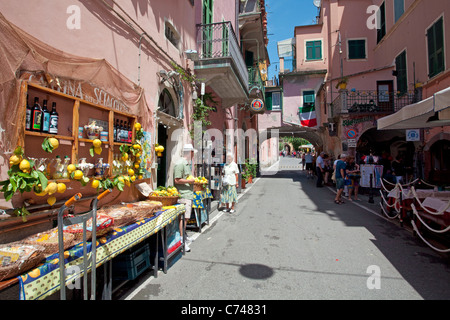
<point>282,17</point>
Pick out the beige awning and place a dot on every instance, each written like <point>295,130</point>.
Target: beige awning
<point>428,113</point>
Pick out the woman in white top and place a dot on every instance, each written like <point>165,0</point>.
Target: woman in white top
<point>230,183</point>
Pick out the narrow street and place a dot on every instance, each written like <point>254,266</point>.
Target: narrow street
<point>288,240</point>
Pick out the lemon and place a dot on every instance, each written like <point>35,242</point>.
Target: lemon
<point>54,142</point>
<point>132,178</point>
<point>61,187</point>
<point>127,181</point>
<point>97,143</point>
<point>78,174</point>
<point>52,188</point>
<point>125,156</point>
<point>137,146</point>
<point>38,191</point>
<point>51,200</point>
<point>121,179</point>
<point>15,159</point>
<point>95,183</point>
<point>24,165</point>
<point>98,150</point>
<point>140,176</point>
<point>138,155</point>
<point>136,165</point>
<point>71,168</point>
<point>137,126</point>
<point>130,172</point>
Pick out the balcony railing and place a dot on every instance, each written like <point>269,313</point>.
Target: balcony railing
<point>218,41</point>
<point>255,81</point>
<point>368,101</point>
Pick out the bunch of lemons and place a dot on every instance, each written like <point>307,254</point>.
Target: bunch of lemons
<point>201,180</point>
<point>166,192</point>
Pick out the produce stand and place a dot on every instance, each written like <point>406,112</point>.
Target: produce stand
<point>44,280</point>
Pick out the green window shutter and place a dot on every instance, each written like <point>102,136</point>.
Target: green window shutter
<point>268,101</point>
<point>435,39</point>
<point>357,49</point>
<point>381,32</point>
<point>402,77</point>
<point>313,50</point>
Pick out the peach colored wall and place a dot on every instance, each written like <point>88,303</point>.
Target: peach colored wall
<point>104,36</point>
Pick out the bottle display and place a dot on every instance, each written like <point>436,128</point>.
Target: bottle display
<point>54,118</point>
<point>45,119</point>
<point>28,118</point>
<point>36,116</point>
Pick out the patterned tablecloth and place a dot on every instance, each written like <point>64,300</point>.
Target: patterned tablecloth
<point>199,196</point>
<point>43,281</point>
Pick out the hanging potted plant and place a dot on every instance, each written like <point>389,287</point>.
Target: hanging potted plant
<point>342,83</point>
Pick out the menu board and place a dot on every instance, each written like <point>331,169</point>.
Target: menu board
<point>366,171</point>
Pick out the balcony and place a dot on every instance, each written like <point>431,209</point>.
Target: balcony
<point>221,65</point>
<point>370,102</point>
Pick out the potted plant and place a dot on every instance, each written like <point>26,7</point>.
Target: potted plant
<point>342,83</point>
<point>250,170</point>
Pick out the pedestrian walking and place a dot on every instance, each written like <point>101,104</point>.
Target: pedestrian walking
<point>309,165</point>
<point>303,161</point>
<point>181,172</point>
<point>320,169</point>
<point>230,183</point>
<point>340,175</point>
<point>354,176</point>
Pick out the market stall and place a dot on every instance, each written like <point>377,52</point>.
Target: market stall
<point>44,280</point>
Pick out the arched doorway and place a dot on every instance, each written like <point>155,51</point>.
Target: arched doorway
<point>165,105</point>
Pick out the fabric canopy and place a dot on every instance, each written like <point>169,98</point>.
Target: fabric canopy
<point>427,113</point>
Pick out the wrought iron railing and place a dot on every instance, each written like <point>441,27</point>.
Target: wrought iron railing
<point>218,40</point>
<point>371,101</point>
<point>254,80</point>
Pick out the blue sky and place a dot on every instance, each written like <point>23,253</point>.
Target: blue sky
<point>282,17</point>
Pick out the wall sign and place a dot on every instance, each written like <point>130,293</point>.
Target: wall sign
<point>413,135</point>
<point>257,105</point>
<point>351,134</point>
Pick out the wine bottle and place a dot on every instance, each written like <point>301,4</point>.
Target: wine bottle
<point>54,119</point>
<point>36,116</point>
<point>28,118</point>
<point>115,130</point>
<point>45,123</point>
<point>119,132</point>
<point>130,133</point>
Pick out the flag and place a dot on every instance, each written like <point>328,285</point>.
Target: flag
<point>308,115</point>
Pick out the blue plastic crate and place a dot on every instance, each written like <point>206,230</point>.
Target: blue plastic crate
<point>130,264</point>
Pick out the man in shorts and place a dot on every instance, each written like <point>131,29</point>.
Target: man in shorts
<point>309,165</point>
<point>340,175</point>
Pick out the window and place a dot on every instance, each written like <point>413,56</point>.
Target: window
<point>381,23</point>
<point>309,97</point>
<point>276,100</point>
<point>402,78</point>
<point>399,9</point>
<point>314,50</point>
<point>357,49</point>
<point>273,100</point>
<point>435,39</point>
<point>171,34</point>
<point>166,104</point>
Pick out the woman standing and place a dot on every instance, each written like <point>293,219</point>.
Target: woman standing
<point>230,183</point>
<point>354,176</point>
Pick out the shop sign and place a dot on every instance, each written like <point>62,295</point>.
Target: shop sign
<point>413,135</point>
<point>257,105</point>
<point>353,121</point>
<point>77,88</point>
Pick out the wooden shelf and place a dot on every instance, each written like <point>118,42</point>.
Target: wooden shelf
<point>41,134</point>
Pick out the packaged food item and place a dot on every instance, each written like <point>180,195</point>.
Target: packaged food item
<point>49,240</point>
<point>17,258</point>
<point>120,213</point>
<point>104,225</point>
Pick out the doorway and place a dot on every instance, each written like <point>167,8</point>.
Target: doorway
<point>162,161</point>
<point>385,94</point>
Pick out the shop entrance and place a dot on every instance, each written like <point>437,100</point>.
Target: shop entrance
<point>162,161</point>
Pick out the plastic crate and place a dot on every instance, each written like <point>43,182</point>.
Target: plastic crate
<point>130,264</point>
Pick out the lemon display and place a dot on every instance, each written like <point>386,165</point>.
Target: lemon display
<point>52,188</point>
<point>61,187</point>
<point>54,142</point>
<point>15,159</point>
<point>24,165</point>
<point>71,168</point>
<point>51,200</point>
<point>78,174</point>
<point>95,183</point>
<point>97,143</point>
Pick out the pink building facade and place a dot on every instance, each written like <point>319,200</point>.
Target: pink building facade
<point>387,66</point>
